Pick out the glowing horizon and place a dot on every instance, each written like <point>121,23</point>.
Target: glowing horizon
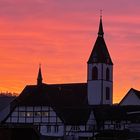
<point>60,36</point>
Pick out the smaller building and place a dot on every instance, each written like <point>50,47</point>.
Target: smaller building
<point>131,98</point>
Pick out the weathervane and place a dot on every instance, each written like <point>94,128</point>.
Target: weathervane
<point>39,65</point>
<point>101,13</point>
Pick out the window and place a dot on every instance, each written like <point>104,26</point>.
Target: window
<point>48,128</point>
<point>56,128</point>
<point>22,114</point>
<point>107,93</point>
<point>107,74</point>
<point>44,113</point>
<point>94,73</point>
<point>29,114</point>
<point>37,114</point>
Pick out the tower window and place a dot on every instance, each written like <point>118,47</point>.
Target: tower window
<point>94,73</point>
<point>107,93</point>
<point>107,74</point>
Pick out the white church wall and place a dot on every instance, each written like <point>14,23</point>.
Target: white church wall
<point>90,66</point>
<point>94,90</point>
<point>110,67</point>
<point>105,85</point>
<point>97,87</point>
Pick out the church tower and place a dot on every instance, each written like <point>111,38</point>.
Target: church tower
<point>100,72</point>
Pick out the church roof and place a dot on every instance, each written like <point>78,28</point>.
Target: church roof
<point>100,52</point>
<point>54,95</point>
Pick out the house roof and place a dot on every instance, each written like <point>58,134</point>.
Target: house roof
<point>69,101</point>
<point>103,113</point>
<point>136,92</point>
<point>100,52</point>
<point>73,115</point>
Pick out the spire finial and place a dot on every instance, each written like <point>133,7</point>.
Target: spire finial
<point>39,78</point>
<point>101,13</point>
<point>40,65</point>
<point>100,32</point>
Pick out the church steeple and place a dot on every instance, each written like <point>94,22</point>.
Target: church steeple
<point>39,77</point>
<point>100,72</point>
<point>100,52</point>
<point>101,32</point>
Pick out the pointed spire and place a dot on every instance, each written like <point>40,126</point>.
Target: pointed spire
<point>100,53</point>
<point>39,78</point>
<point>100,32</point>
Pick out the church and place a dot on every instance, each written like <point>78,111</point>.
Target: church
<point>76,110</point>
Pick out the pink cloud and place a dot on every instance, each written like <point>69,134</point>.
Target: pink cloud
<point>61,35</point>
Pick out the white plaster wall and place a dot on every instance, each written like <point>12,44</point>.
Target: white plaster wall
<point>110,67</point>
<point>110,85</point>
<point>95,86</point>
<point>89,71</point>
<point>133,127</point>
<point>43,131</point>
<point>79,133</point>
<point>42,121</point>
<point>30,119</point>
<point>94,92</point>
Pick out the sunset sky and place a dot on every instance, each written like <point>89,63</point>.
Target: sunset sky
<point>60,35</point>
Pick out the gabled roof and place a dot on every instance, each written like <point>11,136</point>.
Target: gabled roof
<point>54,95</point>
<point>136,92</point>
<point>69,101</point>
<point>100,52</point>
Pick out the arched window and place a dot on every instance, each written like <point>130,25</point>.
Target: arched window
<point>107,74</point>
<point>107,93</point>
<point>94,73</point>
